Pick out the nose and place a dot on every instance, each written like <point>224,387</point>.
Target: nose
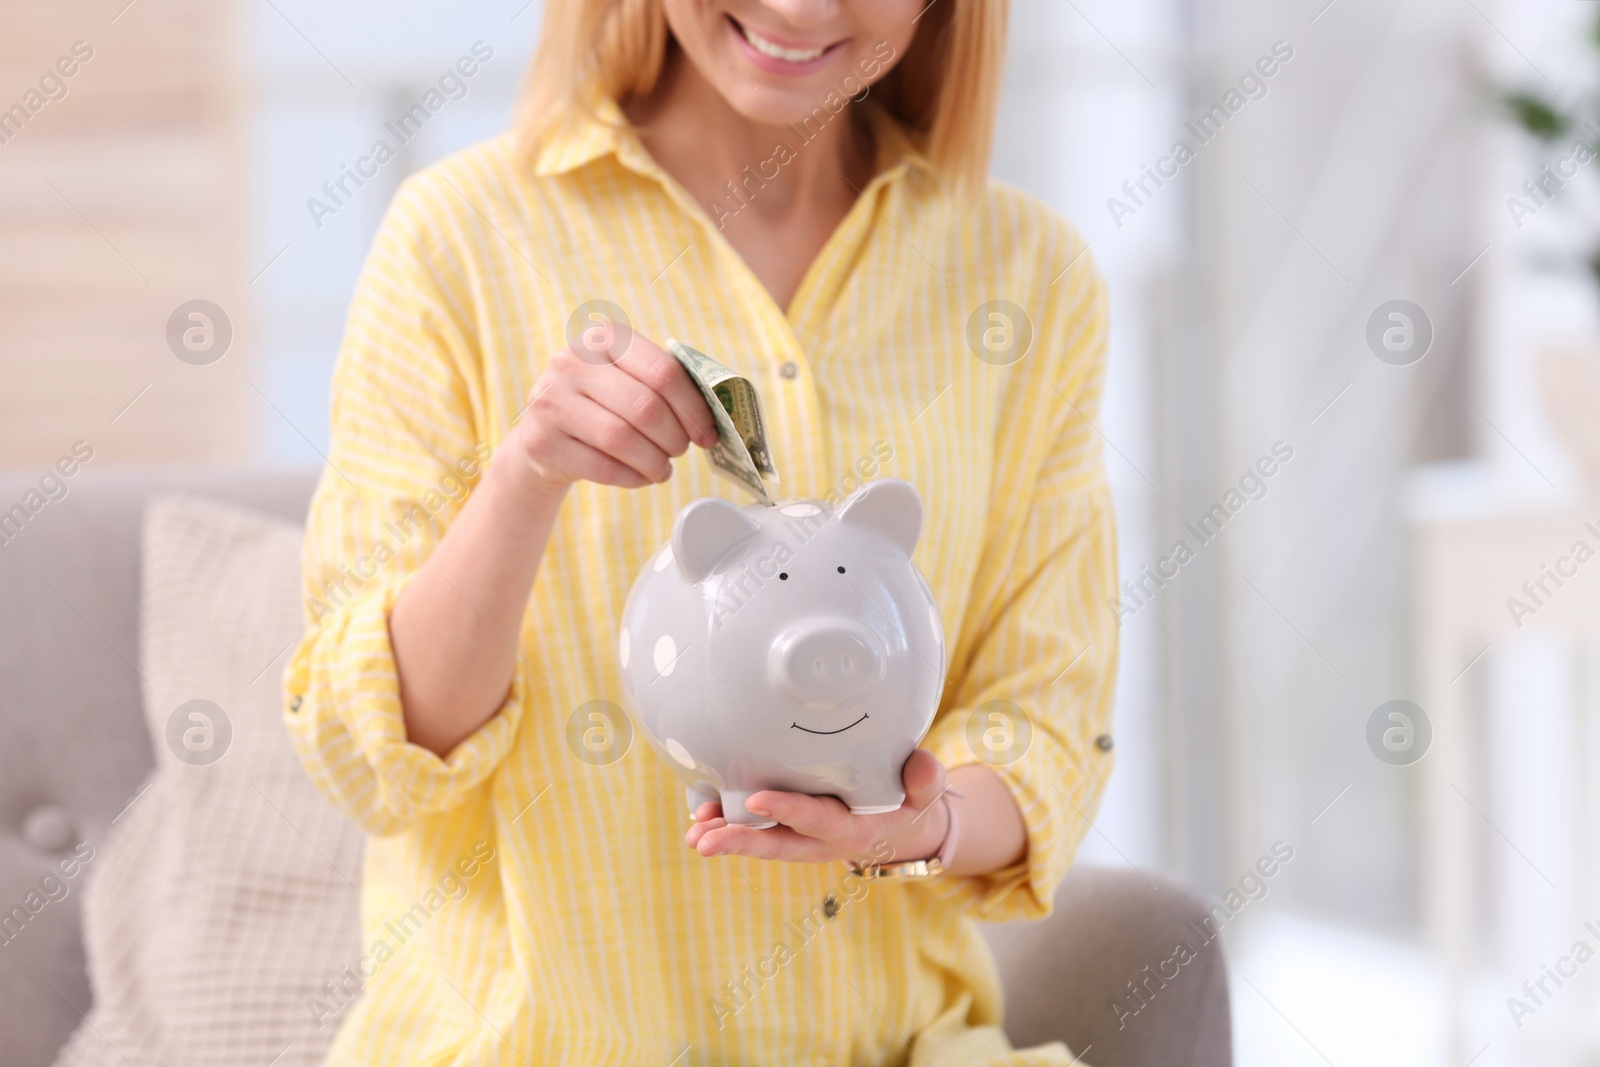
<point>826,661</point>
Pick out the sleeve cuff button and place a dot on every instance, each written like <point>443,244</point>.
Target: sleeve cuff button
<point>1103,742</point>
<point>295,702</point>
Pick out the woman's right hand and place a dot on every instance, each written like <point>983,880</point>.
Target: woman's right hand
<point>613,413</point>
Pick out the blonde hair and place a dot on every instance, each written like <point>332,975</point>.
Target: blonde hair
<point>943,90</point>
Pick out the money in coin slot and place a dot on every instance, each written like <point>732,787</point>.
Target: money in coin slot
<point>741,453</point>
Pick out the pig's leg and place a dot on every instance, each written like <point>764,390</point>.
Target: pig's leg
<point>735,812</point>
<point>698,794</point>
<point>876,798</point>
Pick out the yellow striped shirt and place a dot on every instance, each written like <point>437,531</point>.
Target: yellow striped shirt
<point>523,905</point>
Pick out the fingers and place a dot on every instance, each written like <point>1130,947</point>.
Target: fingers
<point>702,827</point>
<point>563,437</point>
<point>923,778</point>
<point>653,367</point>
<point>711,809</point>
<point>583,462</point>
<point>818,829</point>
<point>778,842</point>
<point>618,422</point>
<point>594,425</point>
<point>639,406</point>
<point>546,441</point>
<point>824,818</point>
<point>718,838</point>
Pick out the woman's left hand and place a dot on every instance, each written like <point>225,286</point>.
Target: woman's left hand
<point>821,829</point>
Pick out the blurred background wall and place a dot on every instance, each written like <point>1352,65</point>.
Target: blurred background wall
<point>121,196</point>
<point>1342,155</point>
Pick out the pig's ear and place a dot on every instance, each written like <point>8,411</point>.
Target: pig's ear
<point>889,506</point>
<point>706,531</point>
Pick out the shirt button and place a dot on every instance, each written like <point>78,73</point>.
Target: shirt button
<point>1103,742</point>
<point>48,828</point>
<point>788,370</point>
<point>294,704</point>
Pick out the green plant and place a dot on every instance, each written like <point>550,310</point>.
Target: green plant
<point>1556,125</point>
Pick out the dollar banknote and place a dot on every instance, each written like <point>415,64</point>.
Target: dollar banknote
<point>741,453</point>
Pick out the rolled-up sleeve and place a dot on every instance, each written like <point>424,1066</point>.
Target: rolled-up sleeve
<point>1032,673</point>
<point>404,454</point>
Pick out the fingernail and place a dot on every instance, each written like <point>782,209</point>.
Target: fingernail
<point>758,811</point>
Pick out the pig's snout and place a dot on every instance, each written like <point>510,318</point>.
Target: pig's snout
<point>824,662</point>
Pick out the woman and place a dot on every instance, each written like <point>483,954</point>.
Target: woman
<point>796,187</point>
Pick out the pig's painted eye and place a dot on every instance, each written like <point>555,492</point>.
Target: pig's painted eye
<point>841,570</point>
<point>783,577</point>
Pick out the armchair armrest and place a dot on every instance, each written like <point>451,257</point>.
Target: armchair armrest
<point>1126,972</point>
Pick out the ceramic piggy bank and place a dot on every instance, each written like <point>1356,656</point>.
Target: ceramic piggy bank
<point>789,647</point>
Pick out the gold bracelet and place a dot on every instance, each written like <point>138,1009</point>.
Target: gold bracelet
<point>881,872</point>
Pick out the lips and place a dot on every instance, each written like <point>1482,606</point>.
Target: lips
<point>788,53</point>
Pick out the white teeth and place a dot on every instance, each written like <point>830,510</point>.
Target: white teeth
<point>768,48</point>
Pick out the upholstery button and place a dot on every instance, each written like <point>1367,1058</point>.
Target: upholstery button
<point>47,828</point>
<point>295,702</point>
<point>1103,742</point>
<point>788,370</point>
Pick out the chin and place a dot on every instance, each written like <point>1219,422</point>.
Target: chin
<point>771,107</point>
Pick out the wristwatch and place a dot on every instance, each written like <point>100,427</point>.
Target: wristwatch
<point>909,869</point>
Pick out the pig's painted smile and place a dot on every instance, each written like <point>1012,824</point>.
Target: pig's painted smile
<point>840,730</point>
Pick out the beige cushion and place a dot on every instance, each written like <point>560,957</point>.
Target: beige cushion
<point>225,899</point>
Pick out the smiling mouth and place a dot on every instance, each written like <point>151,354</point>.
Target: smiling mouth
<point>840,730</point>
<point>772,49</point>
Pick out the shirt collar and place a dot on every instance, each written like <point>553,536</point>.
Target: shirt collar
<point>587,137</point>
<point>584,137</point>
